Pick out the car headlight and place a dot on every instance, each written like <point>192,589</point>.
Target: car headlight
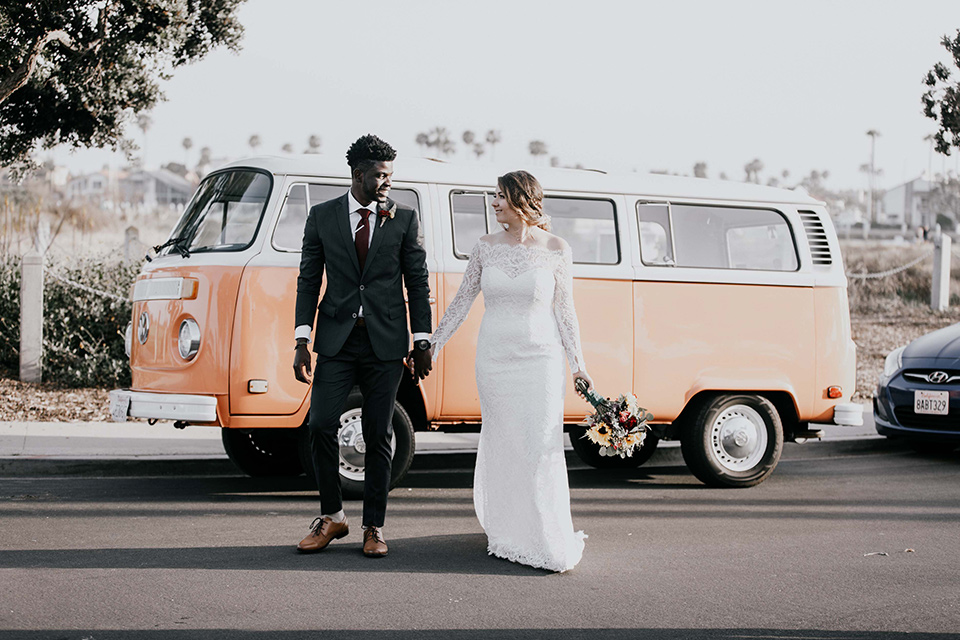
<point>893,361</point>
<point>128,339</point>
<point>189,340</point>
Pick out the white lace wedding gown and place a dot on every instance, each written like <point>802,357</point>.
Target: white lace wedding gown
<point>520,490</point>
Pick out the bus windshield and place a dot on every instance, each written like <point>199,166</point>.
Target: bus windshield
<point>223,215</point>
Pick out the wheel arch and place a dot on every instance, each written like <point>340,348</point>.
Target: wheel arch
<point>782,399</point>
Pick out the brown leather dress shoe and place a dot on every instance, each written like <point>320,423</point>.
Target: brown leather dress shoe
<point>374,546</point>
<point>322,531</point>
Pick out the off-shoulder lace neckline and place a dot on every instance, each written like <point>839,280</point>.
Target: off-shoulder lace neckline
<point>525,246</point>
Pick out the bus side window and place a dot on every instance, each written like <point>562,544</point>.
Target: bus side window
<point>289,232</point>
<point>469,211</point>
<point>656,243</point>
<point>588,225</point>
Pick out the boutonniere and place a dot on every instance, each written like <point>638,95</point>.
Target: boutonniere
<point>387,213</point>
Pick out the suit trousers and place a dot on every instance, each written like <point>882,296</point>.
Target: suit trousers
<point>333,379</point>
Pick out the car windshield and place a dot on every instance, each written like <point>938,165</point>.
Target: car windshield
<point>223,215</point>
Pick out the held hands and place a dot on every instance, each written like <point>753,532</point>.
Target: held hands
<point>421,362</point>
<point>582,375</point>
<point>301,360</point>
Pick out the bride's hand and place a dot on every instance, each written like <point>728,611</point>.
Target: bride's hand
<point>582,375</point>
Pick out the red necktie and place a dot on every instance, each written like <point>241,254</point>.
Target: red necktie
<point>362,238</point>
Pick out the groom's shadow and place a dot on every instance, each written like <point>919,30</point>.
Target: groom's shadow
<point>457,554</point>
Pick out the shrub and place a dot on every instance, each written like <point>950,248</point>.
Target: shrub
<point>82,331</point>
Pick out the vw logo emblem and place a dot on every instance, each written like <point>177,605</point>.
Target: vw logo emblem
<point>937,377</point>
<point>143,327</point>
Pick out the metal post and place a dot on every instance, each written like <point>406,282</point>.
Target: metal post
<point>940,287</point>
<point>31,317</point>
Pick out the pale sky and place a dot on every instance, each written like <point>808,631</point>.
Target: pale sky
<point>620,86</point>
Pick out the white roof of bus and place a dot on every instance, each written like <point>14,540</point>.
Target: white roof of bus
<point>484,175</point>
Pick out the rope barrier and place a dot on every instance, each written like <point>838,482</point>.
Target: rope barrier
<point>890,272</point>
<point>84,287</point>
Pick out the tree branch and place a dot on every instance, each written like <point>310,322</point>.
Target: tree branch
<point>26,69</point>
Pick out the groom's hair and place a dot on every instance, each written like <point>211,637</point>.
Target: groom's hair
<point>368,150</point>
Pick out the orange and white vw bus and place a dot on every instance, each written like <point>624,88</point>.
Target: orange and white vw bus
<point>722,305</point>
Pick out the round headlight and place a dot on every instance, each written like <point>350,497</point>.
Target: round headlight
<point>893,361</point>
<point>128,339</point>
<point>189,340</point>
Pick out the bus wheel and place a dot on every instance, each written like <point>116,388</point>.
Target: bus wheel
<point>733,441</point>
<point>263,452</point>
<point>353,448</point>
<point>589,452</point>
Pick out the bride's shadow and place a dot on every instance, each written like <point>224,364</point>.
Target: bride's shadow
<point>455,553</point>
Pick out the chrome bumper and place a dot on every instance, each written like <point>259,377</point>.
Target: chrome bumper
<point>161,406</point>
<point>848,414</point>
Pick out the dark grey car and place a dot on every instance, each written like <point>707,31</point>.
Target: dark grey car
<point>918,395</point>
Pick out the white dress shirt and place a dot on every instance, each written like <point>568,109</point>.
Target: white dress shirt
<point>304,331</point>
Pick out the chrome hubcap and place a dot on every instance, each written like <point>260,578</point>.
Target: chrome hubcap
<point>352,446</point>
<point>738,438</point>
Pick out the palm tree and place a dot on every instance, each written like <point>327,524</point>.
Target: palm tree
<point>537,148</point>
<point>144,122</point>
<point>287,148</point>
<point>203,162</point>
<point>753,169</point>
<point>700,170</point>
<point>187,145</point>
<point>440,138</point>
<point>313,144</point>
<point>469,137</point>
<point>493,139</point>
<point>254,142</point>
<point>479,149</point>
<point>423,141</point>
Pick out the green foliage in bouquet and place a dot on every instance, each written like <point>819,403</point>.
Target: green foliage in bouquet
<point>82,331</point>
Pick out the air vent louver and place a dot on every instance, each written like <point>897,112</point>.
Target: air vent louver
<point>816,237</point>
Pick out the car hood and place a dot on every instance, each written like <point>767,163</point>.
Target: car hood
<point>943,344</point>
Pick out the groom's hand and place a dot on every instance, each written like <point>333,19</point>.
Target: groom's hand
<point>422,363</point>
<point>301,361</point>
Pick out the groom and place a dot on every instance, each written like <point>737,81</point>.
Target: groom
<point>364,242</point>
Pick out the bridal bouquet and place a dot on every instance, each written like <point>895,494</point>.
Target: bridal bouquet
<point>618,426</point>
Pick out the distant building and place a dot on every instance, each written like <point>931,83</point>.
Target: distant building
<point>908,204</point>
<point>95,188</point>
<point>157,187</point>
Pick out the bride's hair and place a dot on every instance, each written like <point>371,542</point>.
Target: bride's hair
<point>523,193</point>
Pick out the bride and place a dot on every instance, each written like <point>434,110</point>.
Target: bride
<point>521,493</point>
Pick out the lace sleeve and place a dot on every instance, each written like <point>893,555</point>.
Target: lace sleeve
<point>457,310</point>
<point>565,313</point>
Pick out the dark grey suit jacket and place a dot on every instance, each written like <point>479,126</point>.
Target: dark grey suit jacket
<point>396,251</point>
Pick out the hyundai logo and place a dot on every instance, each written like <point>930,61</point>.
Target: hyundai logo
<point>937,377</point>
<point>143,327</point>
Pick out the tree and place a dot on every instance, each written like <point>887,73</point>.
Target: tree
<point>944,199</point>
<point>537,148</point>
<point>469,137</point>
<point>479,149</point>
<point>753,169</point>
<point>423,141</point>
<point>941,100</point>
<point>313,144</point>
<point>74,72</point>
<point>493,139</point>
<point>700,170</point>
<point>187,145</point>
<point>872,173</point>
<point>254,142</point>
<point>287,148</point>
<point>439,137</point>
<point>144,122</point>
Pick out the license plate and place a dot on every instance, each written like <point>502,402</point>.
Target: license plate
<point>119,406</point>
<point>931,402</point>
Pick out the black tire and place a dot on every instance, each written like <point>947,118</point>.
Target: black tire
<point>263,452</point>
<point>724,453</point>
<point>351,461</point>
<point>589,452</point>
